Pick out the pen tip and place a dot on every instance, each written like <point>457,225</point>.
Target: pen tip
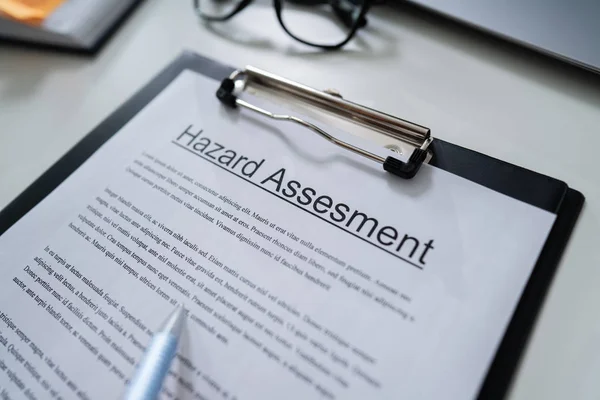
<point>174,322</point>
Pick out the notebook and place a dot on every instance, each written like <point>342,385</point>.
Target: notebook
<point>78,25</point>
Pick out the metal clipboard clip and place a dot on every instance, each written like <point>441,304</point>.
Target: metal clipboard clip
<point>416,136</point>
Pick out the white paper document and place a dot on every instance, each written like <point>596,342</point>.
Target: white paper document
<point>307,272</point>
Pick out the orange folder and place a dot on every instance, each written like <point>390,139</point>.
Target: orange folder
<point>29,11</point>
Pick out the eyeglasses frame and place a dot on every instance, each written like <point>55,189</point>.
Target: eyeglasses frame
<point>277,4</point>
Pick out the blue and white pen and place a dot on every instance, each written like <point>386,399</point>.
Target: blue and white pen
<point>152,370</point>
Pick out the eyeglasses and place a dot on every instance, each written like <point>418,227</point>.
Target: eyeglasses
<point>328,24</point>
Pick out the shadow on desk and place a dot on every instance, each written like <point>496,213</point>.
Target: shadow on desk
<point>370,42</point>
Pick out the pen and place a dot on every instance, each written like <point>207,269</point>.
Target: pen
<point>150,374</point>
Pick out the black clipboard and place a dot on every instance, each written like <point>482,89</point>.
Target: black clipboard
<point>533,188</point>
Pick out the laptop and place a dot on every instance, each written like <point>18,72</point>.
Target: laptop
<point>566,29</point>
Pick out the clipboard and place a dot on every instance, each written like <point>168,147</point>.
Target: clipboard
<point>530,187</point>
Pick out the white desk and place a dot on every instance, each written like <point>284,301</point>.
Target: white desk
<point>470,90</point>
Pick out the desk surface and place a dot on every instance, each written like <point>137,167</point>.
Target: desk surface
<point>469,89</point>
